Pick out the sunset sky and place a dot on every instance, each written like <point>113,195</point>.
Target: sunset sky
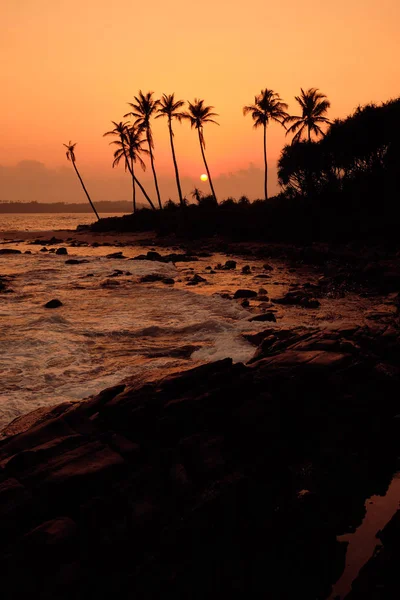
<point>69,67</point>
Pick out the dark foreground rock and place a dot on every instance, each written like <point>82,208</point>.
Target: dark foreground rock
<point>222,481</point>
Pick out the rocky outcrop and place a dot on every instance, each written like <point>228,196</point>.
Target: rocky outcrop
<point>222,480</point>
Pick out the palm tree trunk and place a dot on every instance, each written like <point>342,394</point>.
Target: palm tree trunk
<point>178,184</point>
<point>265,163</point>
<point>85,190</point>
<point>136,180</point>
<point>143,191</point>
<point>206,166</point>
<point>133,188</point>
<point>154,171</point>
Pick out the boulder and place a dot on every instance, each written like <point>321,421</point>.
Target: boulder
<point>55,303</point>
<point>267,316</point>
<point>116,255</point>
<point>243,293</point>
<point>76,261</point>
<point>196,279</point>
<point>61,251</point>
<point>9,251</point>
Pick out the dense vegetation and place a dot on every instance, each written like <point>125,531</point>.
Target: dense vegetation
<point>339,185</point>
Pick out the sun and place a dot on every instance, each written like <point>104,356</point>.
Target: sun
<point>203,177</point>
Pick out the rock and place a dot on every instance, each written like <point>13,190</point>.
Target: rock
<point>196,279</point>
<point>246,270</point>
<point>262,292</point>
<point>267,316</point>
<point>61,251</point>
<point>76,261</point>
<point>55,303</point>
<point>43,249</point>
<point>28,252</point>
<point>297,298</point>
<point>115,255</point>
<point>9,251</point>
<point>268,267</point>
<point>152,277</point>
<point>230,264</point>
<point>245,303</point>
<point>110,283</point>
<point>243,293</point>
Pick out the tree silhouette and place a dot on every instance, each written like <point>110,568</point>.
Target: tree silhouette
<point>129,146</point>
<point>199,115</point>
<point>268,106</point>
<point>314,105</point>
<point>144,108</point>
<point>70,154</point>
<point>170,108</point>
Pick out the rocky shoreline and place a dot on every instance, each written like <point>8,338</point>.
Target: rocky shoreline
<point>224,479</point>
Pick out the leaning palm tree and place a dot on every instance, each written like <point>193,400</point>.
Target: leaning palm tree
<point>144,108</point>
<point>170,108</point>
<point>199,115</point>
<point>268,106</point>
<point>314,105</point>
<point>71,156</point>
<point>129,147</point>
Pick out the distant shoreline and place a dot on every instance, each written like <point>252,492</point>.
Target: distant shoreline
<point>63,208</point>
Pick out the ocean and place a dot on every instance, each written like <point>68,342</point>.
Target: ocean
<point>46,221</point>
<point>113,327</point>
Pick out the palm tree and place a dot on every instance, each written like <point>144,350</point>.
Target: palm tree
<point>169,107</point>
<point>268,106</point>
<point>143,109</point>
<point>71,156</point>
<point>198,115</point>
<point>314,105</point>
<point>129,146</point>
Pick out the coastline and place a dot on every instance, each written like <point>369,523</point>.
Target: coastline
<point>202,463</point>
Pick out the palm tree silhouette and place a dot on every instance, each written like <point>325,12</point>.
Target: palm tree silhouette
<point>198,115</point>
<point>268,106</point>
<point>143,109</point>
<point>129,146</point>
<point>70,154</point>
<point>169,107</point>
<point>314,105</point>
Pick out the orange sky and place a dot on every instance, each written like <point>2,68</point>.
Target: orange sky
<point>69,67</point>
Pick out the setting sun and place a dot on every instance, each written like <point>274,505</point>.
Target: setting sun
<point>203,177</point>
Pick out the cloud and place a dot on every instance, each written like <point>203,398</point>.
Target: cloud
<point>31,180</point>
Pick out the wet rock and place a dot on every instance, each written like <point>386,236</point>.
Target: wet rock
<point>61,251</point>
<point>230,264</point>
<point>297,299</point>
<point>76,261</point>
<point>116,255</point>
<point>153,277</point>
<point>243,293</point>
<point>267,316</point>
<point>246,270</point>
<point>55,303</point>
<point>196,279</point>
<point>49,242</point>
<point>43,249</point>
<point>245,303</point>
<point>110,283</point>
<point>9,251</point>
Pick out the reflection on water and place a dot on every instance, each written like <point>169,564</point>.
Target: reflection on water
<point>362,543</point>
